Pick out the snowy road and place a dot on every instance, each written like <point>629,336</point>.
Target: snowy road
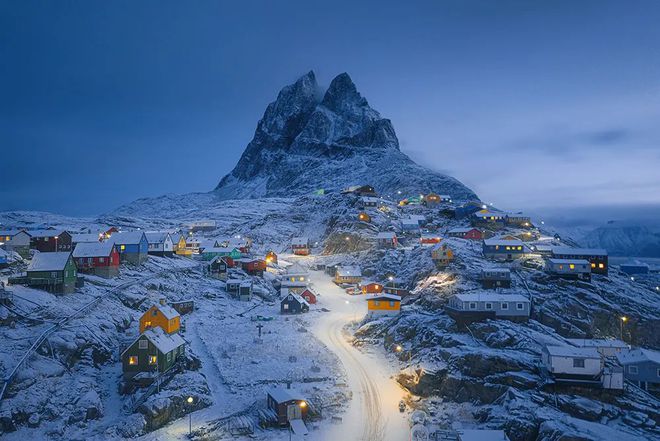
<point>373,413</point>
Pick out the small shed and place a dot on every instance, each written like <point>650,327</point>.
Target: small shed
<point>300,246</point>
<point>287,404</point>
<point>371,287</point>
<point>183,307</point>
<point>245,290</point>
<point>571,363</point>
<point>495,278</point>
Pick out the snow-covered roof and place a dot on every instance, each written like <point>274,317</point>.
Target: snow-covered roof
<point>295,269</point>
<point>220,250</point>
<point>93,249</point>
<point>391,297</point>
<point>164,342</point>
<point>484,213</point>
<point>369,199</point>
<point>167,311</point>
<point>12,233</point>
<point>127,237</point>
<point>597,343</point>
<point>300,241</point>
<point>638,356</point>
<point>579,251</point>
<point>496,270</point>
<point>348,271</point>
<point>490,297</point>
<point>543,247</point>
<point>245,283</point>
<point>49,261</point>
<point>572,351</point>
<point>386,235</point>
<point>500,242</point>
<point>569,261</point>
<point>85,237</point>
<point>282,395</point>
<point>461,230</point>
<point>408,221</point>
<point>234,281</point>
<point>156,236</point>
<point>45,233</point>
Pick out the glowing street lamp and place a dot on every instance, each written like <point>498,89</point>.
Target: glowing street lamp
<point>190,400</point>
<point>623,319</point>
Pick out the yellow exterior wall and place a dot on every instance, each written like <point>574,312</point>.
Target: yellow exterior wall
<point>383,305</point>
<point>149,320</point>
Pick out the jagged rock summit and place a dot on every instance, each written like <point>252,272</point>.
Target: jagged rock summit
<point>308,140</point>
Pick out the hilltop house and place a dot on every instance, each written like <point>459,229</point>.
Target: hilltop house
<point>518,220</point>
<point>441,254</point>
<point>300,246</point>
<point>495,278</point>
<point>348,274</point>
<point>466,233</point>
<point>569,268</point>
<point>410,225</point>
<point>383,304</point>
<point>48,241</point>
<point>98,258</point>
<point>606,347</point>
<point>469,307</point>
<point>597,257</point>
<point>295,278</point>
<point>193,245</point>
<point>201,225</point>
<point>218,267</point>
<point>54,272</point>
<point>15,240</point>
<point>153,352</point>
<point>583,366</point>
<point>642,367</point>
<point>132,246</point>
<point>488,218</point>
<point>386,239</point>
<point>287,404</point>
<point>369,202</point>
<point>162,316</point>
<point>293,303</point>
<point>632,268</point>
<point>178,243</point>
<point>498,249</point>
<point>160,243</point>
<point>431,200</point>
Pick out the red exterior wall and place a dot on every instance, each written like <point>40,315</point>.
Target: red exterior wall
<point>474,234</point>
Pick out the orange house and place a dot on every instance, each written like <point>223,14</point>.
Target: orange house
<point>371,288</point>
<point>161,316</point>
<point>383,304</point>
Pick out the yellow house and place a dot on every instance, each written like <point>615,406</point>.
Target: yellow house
<point>162,316</point>
<point>442,255</point>
<point>181,247</point>
<point>383,304</point>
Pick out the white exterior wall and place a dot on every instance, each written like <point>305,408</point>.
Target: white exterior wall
<point>19,240</point>
<point>564,365</point>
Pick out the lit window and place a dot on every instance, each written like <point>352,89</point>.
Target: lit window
<point>133,360</point>
<point>601,266</point>
<point>593,265</point>
<point>376,303</point>
<point>571,266</point>
<point>286,306</point>
<point>301,279</point>
<point>153,359</point>
<point>122,247</point>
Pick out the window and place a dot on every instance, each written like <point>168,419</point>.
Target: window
<point>473,305</point>
<point>508,248</point>
<point>519,248</point>
<point>133,360</point>
<point>601,266</point>
<point>571,266</point>
<point>122,247</point>
<point>154,313</point>
<point>633,370</point>
<point>392,304</point>
<point>101,259</point>
<point>578,362</point>
<point>520,306</point>
<point>53,274</point>
<point>376,302</point>
<point>169,356</point>
<point>153,359</point>
<point>143,344</point>
<point>505,306</point>
<point>489,306</point>
<point>286,306</point>
<point>593,265</point>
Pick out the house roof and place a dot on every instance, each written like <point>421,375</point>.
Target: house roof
<point>409,222</point>
<point>282,395</point>
<point>461,230</point>
<point>49,261</point>
<point>572,351</point>
<point>167,311</point>
<point>297,298</point>
<point>220,250</point>
<point>597,343</point>
<point>391,297</point>
<point>500,242</point>
<point>569,261</point>
<point>386,235</point>
<point>295,269</point>
<point>638,356</point>
<point>300,240</point>
<point>156,236</point>
<point>490,297</point>
<point>13,232</point>
<point>496,270</point>
<point>348,271</point>
<point>232,281</point>
<point>93,249</point>
<point>579,251</point>
<point>45,233</point>
<point>369,199</point>
<point>86,237</point>
<point>127,237</point>
<point>164,342</point>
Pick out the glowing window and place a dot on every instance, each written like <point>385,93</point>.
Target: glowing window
<point>571,266</point>
<point>593,265</point>
<point>153,359</point>
<point>601,266</point>
<point>133,360</point>
<point>122,247</point>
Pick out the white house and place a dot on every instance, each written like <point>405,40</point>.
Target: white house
<point>572,363</point>
<point>348,274</point>
<point>15,240</point>
<point>478,306</point>
<point>295,278</point>
<point>569,268</point>
<point>160,243</point>
<point>300,246</point>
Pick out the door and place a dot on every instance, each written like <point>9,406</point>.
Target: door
<point>293,412</point>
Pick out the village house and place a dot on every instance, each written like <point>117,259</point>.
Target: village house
<point>295,278</point>
<point>287,404</point>
<point>634,268</point>
<point>55,272</point>
<point>201,225</point>
<point>498,249</point>
<point>642,367</point>
<point>178,242</point>
<point>469,307</point>
<point>161,316</point>
<point>153,352</point>
<point>370,287</point>
<point>4,259</point>
<point>98,258</point>
<point>386,239</point>
<point>365,190</point>
<point>466,233</point>
<point>309,296</point>
<point>348,274</point>
<point>253,266</point>
<point>48,241</point>
<point>441,254</point>
<point>193,245</point>
<point>160,243</point>
<point>212,252</point>
<point>292,303</point>
<point>429,239</point>
<point>369,202</point>
<point>542,250</point>
<point>383,304</point>
<point>218,267</point>
<point>495,278</point>
<point>271,258</point>
<point>364,217</point>
<point>300,246</point>
<point>582,366</point>
<point>242,243</point>
<point>431,200</point>
<point>245,289</point>
<point>569,268</point>
<point>395,286</point>
<point>183,307</point>
<point>15,240</point>
<point>597,257</point>
<point>488,218</point>
<point>232,286</point>
<point>132,246</point>
<point>606,347</point>
<point>518,220</point>
<point>410,225</point>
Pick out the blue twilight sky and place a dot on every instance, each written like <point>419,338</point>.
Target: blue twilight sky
<point>532,104</point>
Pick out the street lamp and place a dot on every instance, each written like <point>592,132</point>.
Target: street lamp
<point>56,237</point>
<point>623,319</point>
<point>190,400</point>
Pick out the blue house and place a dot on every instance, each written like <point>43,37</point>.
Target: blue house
<point>293,303</point>
<point>642,367</point>
<point>632,268</point>
<point>133,246</point>
<point>499,249</point>
<point>3,258</point>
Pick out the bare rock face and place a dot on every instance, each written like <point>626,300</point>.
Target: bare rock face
<point>308,140</point>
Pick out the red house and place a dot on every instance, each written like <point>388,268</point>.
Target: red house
<point>309,295</point>
<point>371,288</point>
<point>98,258</point>
<point>253,266</point>
<point>466,233</point>
<point>50,241</point>
<point>430,239</point>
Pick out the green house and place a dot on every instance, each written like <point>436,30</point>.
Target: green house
<point>152,353</point>
<point>210,253</point>
<point>54,272</point>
